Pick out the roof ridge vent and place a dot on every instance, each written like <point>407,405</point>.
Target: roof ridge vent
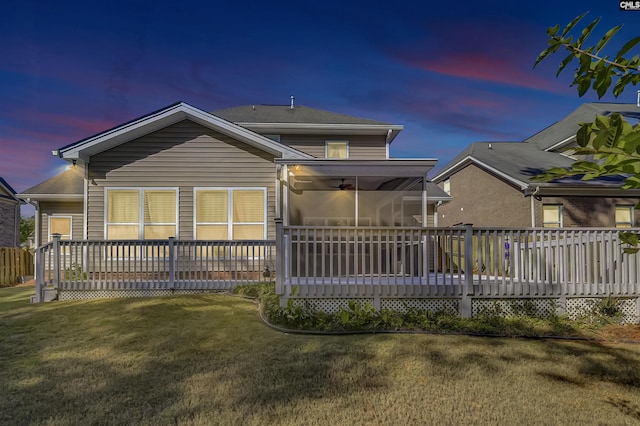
<point>292,102</point>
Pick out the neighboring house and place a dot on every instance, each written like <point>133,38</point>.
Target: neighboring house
<point>186,173</point>
<point>490,182</point>
<point>9,216</point>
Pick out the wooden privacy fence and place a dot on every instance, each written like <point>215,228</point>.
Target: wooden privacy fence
<point>15,263</point>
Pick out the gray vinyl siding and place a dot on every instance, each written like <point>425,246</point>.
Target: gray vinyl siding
<point>184,156</point>
<point>55,208</point>
<point>360,147</point>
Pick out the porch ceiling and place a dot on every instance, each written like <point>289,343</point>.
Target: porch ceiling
<point>341,168</point>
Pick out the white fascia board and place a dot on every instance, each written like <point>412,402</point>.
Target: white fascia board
<point>50,197</point>
<point>470,160</point>
<point>560,190</point>
<point>111,138</point>
<point>561,143</point>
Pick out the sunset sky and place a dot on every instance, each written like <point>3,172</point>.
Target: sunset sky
<point>451,72</point>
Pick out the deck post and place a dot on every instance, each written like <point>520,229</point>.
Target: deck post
<point>39,274</point>
<point>172,257</point>
<point>56,260</point>
<point>465,302</point>
<point>280,247</point>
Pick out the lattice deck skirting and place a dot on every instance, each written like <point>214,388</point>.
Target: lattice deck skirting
<point>580,307</point>
<point>102,294</point>
<point>542,307</point>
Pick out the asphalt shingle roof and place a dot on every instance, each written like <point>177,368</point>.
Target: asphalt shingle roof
<point>286,114</point>
<point>568,126</point>
<point>69,182</point>
<point>522,160</point>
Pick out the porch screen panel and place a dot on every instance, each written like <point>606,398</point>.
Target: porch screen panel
<point>159,214</point>
<point>123,214</point>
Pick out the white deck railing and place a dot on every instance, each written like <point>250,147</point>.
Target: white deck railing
<point>449,262</point>
<point>151,265</point>
<point>347,262</point>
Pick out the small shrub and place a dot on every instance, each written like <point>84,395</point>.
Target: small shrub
<point>75,273</point>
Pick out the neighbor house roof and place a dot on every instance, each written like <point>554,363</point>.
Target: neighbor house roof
<point>85,148</point>
<point>519,162</point>
<point>67,186</point>
<point>300,119</point>
<point>6,191</point>
<point>515,162</point>
<point>564,131</point>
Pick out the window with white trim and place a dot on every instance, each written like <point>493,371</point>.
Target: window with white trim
<point>624,216</point>
<point>446,186</point>
<point>337,149</point>
<point>60,225</point>
<point>552,215</point>
<point>230,213</point>
<point>141,213</point>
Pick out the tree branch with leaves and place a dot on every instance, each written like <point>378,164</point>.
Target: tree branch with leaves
<point>611,141</point>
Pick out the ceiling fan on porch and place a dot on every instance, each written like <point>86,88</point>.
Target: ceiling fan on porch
<point>344,186</point>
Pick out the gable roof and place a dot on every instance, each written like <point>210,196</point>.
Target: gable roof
<point>518,162</point>
<point>515,162</point>
<point>301,119</point>
<point>564,131</point>
<point>4,184</point>
<point>162,118</point>
<point>67,186</point>
<point>6,188</point>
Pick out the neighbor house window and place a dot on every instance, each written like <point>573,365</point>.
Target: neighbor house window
<point>337,149</point>
<point>60,225</point>
<point>552,216</point>
<point>230,214</point>
<point>446,186</point>
<point>624,216</point>
<point>133,214</point>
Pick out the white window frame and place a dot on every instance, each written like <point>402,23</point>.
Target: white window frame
<point>446,186</point>
<point>141,222</point>
<point>559,222</point>
<point>326,148</point>
<point>631,209</point>
<point>229,222</point>
<point>60,216</point>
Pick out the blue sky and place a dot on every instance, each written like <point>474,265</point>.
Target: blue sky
<point>452,73</point>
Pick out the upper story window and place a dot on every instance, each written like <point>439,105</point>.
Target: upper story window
<point>624,216</point>
<point>446,186</point>
<point>337,149</point>
<point>552,216</point>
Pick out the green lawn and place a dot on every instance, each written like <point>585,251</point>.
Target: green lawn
<point>209,360</point>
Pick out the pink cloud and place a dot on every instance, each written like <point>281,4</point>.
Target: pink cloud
<point>493,52</point>
<point>482,67</point>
